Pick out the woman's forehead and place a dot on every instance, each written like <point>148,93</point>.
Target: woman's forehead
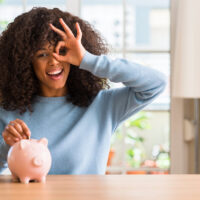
<point>47,46</point>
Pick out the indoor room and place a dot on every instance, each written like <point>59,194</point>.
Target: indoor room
<point>109,89</point>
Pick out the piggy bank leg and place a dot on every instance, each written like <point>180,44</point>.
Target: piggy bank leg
<point>14,177</point>
<point>42,179</point>
<point>25,180</point>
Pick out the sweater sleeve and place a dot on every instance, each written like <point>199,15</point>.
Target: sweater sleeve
<point>142,83</point>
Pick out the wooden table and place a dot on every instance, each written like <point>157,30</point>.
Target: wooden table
<point>112,187</point>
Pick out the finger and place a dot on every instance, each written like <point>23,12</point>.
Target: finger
<point>79,32</point>
<point>59,45</point>
<point>59,58</point>
<point>66,28</point>
<point>25,128</point>
<point>9,139</point>
<point>61,33</point>
<point>10,142</point>
<point>18,128</point>
<point>13,131</point>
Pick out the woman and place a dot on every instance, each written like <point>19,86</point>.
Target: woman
<point>54,85</point>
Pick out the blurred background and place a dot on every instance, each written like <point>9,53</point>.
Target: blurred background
<point>152,141</point>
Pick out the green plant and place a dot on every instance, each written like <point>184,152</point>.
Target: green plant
<point>160,154</point>
<point>135,154</point>
<point>127,131</point>
<point>3,24</point>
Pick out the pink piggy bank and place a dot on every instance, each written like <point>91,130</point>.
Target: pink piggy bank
<point>29,160</point>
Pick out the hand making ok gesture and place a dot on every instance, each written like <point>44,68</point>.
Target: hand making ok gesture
<point>74,48</point>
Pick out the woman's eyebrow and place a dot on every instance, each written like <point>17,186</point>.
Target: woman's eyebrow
<point>42,49</point>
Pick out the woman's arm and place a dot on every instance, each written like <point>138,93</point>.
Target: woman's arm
<point>142,83</point>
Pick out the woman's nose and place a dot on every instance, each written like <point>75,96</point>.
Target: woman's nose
<point>53,61</point>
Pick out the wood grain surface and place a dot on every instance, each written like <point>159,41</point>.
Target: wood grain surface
<point>106,187</point>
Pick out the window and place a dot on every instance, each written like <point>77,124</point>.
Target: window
<point>138,31</point>
<point>9,9</point>
<point>61,4</point>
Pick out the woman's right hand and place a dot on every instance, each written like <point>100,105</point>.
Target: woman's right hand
<point>15,131</point>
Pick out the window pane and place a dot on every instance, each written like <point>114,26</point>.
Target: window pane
<point>61,4</point>
<point>107,17</point>
<point>160,62</point>
<point>146,144</point>
<point>9,9</point>
<point>148,24</point>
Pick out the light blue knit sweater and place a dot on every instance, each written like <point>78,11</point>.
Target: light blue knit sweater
<point>79,138</point>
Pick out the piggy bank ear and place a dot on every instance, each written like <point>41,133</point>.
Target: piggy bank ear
<point>43,141</point>
<point>37,161</point>
<point>23,144</point>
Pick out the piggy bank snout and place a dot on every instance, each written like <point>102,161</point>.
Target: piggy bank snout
<point>38,161</point>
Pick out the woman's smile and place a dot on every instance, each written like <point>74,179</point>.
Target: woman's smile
<point>55,74</point>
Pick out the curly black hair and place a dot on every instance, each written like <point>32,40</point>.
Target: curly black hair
<point>23,37</point>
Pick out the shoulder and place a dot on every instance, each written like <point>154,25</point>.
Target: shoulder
<point>6,115</point>
<point>2,111</point>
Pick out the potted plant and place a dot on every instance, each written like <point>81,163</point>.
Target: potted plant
<point>135,153</point>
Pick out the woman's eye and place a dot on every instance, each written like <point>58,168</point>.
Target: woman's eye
<point>62,51</point>
<point>42,55</point>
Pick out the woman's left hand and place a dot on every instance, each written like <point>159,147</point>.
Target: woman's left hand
<point>74,48</point>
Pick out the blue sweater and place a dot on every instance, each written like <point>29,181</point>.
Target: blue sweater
<point>79,138</point>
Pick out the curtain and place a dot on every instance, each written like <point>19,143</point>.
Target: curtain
<point>185,47</point>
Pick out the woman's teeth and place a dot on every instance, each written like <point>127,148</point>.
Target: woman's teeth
<point>55,72</point>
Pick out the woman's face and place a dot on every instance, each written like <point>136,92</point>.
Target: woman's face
<point>51,73</point>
